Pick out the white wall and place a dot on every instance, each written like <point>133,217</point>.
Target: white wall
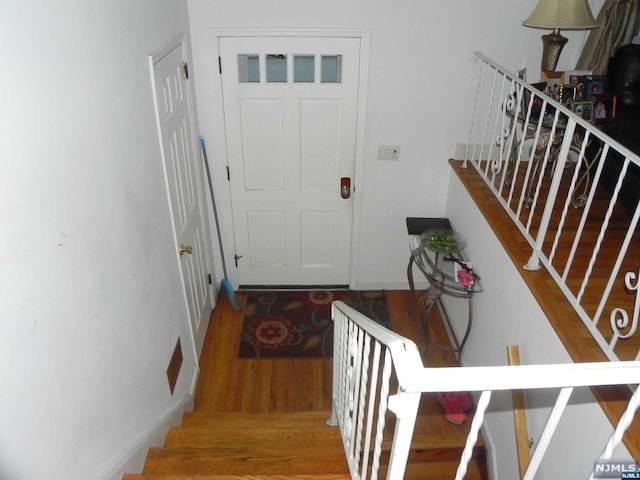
<point>420,93</point>
<point>506,313</point>
<point>89,285</point>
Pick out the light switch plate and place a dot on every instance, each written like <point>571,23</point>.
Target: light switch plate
<point>388,153</point>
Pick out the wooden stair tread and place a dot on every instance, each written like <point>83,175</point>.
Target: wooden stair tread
<point>436,471</point>
<point>241,461</point>
<point>436,441</point>
<point>242,445</point>
<point>435,455</point>
<point>229,437</point>
<point>320,476</point>
<point>280,423</point>
<point>284,437</point>
<point>258,420</point>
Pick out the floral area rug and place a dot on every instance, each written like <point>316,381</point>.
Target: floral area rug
<point>289,324</point>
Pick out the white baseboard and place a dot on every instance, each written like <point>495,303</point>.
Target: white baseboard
<point>398,285</point>
<point>132,457</point>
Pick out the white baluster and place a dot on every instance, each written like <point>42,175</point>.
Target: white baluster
<point>472,437</point>
<point>619,317</point>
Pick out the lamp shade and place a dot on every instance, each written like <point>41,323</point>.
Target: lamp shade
<point>565,14</point>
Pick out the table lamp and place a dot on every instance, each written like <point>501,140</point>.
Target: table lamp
<point>554,15</point>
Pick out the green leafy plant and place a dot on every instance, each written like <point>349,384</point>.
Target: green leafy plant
<point>443,240</point>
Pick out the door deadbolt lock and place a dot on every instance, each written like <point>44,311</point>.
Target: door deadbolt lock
<point>185,249</point>
<point>345,187</point>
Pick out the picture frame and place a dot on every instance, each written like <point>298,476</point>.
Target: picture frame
<point>594,87</point>
<point>579,92</point>
<point>537,101</point>
<point>542,86</point>
<point>573,77</point>
<point>522,74</point>
<point>584,109</point>
<point>604,107</point>
<point>567,94</point>
<point>554,81</point>
<point>553,77</point>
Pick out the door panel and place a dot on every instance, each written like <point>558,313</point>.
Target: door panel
<point>185,184</point>
<point>320,143</point>
<point>319,236</point>
<point>262,144</point>
<point>267,238</point>
<point>291,109</point>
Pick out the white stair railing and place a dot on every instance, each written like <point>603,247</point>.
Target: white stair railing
<point>544,164</point>
<point>377,373</point>
<point>367,360</point>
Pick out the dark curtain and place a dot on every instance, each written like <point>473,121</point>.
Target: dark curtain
<point>617,26</point>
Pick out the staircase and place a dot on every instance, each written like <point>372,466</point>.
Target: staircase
<point>227,439</point>
<point>277,446</point>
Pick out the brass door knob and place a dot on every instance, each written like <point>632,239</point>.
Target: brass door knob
<point>185,249</point>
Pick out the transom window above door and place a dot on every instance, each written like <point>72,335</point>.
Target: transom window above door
<point>294,68</point>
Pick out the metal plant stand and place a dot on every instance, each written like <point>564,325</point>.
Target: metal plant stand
<point>439,270</point>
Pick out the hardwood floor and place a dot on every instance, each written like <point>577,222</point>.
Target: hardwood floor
<point>569,327</point>
<point>231,384</point>
<point>234,385</point>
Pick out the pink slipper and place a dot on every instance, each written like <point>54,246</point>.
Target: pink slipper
<point>452,408</point>
<point>465,401</point>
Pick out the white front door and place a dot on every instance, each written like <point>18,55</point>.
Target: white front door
<point>185,182</point>
<point>291,110</point>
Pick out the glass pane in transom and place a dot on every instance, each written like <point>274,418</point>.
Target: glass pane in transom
<point>248,68</point>
<point>276,68</point>
<point>303,68</point>
<point>331,69</point>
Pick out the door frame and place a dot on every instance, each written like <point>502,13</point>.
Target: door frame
<point>217,130</point>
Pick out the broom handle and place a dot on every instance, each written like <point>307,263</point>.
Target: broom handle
<point>213,203</point>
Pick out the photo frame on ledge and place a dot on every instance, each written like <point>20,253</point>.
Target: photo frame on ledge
<point>554,81</point>
<point>584,109</point>
<point>537,101</point>
<point>595,86</point>
<point>567,94</point>
<point>604,107</point>
<point>573,77</point>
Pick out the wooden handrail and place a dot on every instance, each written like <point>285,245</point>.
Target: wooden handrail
<point>519,416</point>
